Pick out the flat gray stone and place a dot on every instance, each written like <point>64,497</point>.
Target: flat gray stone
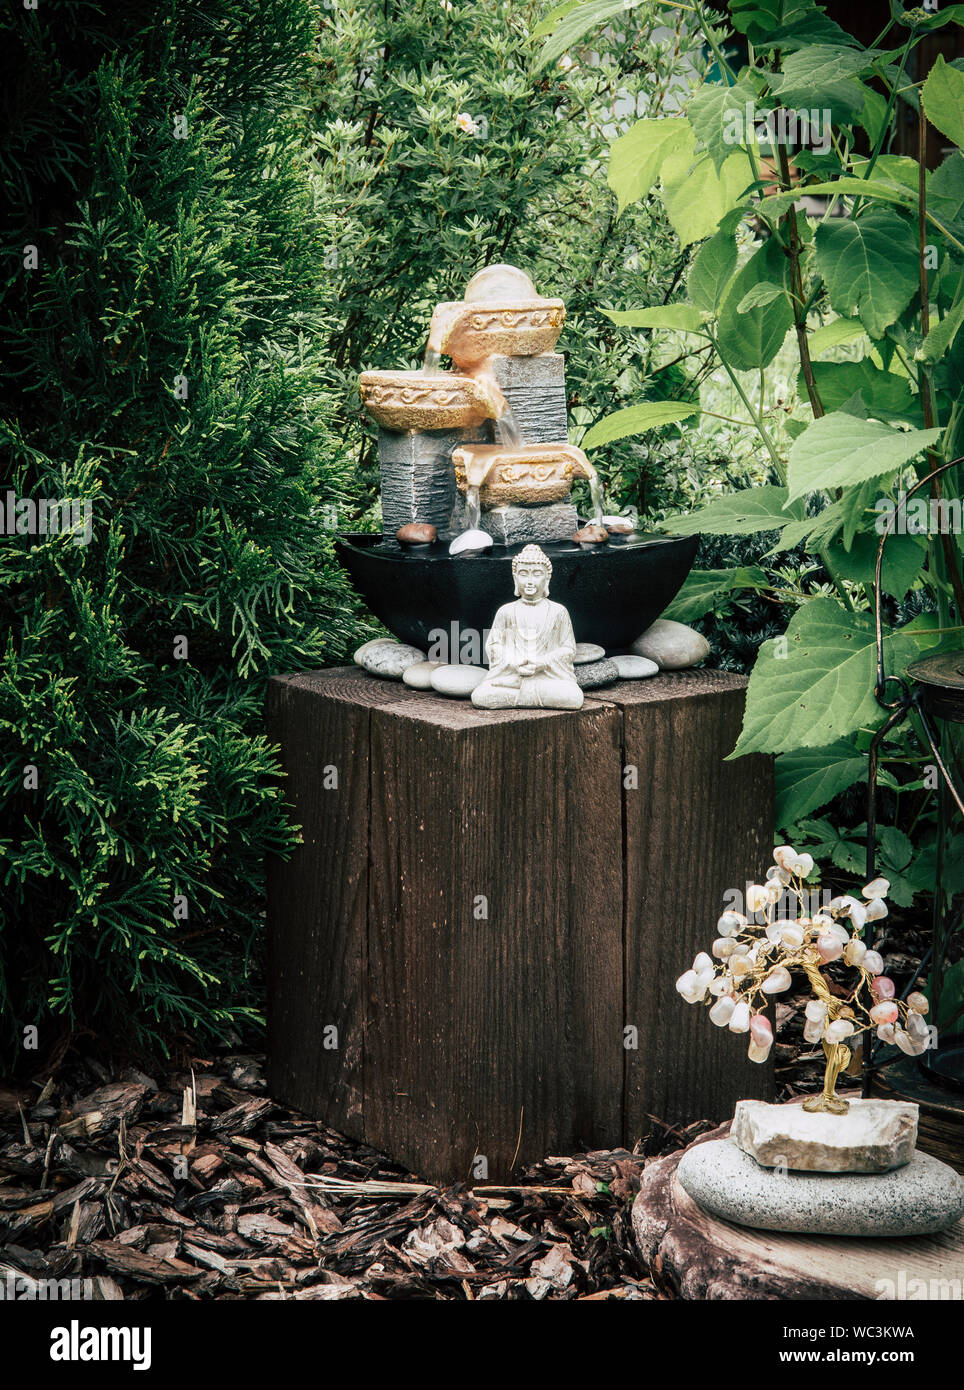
<point>419,675</point>
<point>635,668</point>
<point>390,660</point>
<point>919,1198</point>
<point>457,680</point>
<point>673,646</point>
<point>588,651</point>
<point>873,1137</point>
<point>596,673</point>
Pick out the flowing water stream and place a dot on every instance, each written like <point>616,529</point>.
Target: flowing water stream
<point>596,494</point>
<point>507,431</point>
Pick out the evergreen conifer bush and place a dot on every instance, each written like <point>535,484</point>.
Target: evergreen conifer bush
<point>161,349</point>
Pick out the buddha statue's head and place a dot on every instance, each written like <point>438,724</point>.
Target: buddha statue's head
<point>531,571</point>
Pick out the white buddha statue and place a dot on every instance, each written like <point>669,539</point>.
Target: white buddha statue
<point>531,645</point>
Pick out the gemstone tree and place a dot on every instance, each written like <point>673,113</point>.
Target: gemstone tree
<point>755,956</point>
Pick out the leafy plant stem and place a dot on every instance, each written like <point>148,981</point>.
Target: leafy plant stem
<point>946,544</point>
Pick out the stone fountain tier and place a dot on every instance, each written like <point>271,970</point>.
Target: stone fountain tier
<point>418,482</point>
<point>612,592</point>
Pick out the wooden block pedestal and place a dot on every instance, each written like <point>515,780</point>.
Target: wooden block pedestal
<point>473,951</point>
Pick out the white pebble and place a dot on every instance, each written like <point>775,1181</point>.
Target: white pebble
<point>457,680</point>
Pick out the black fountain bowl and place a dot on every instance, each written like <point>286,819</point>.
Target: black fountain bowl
<point>613,592</point>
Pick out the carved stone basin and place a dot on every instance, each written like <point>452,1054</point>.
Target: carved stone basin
<point>528,475</point>
<point>428,401</point>
<point>472,332</point>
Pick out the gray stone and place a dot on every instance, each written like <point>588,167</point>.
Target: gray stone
<point>535,388</point>
<point>390,660</point>
<point>457,680</point>
<point>419,675</point>
<point>418,479</point>
<point>919,1198</point>
<point>370,646</point>
<point>588,651</point>
<point>673,646</point>
<point>873,1137</point>
<point>515,525</point>
<point>635,668</point>
<point>596,673</point>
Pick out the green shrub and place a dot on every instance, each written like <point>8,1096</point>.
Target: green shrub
<point>162,362</point>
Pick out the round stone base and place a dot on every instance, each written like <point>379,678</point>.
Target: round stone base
<point>922,1197</point>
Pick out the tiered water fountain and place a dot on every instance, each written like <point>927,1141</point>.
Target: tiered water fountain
<point>476,465</point>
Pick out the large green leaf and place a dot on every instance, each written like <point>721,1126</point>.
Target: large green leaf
<point>695,196</point>
<point>840,449</point>
<point>751,338</point>
<point>823,687</point>
<point>636,419</point>
<point>904,557</point>
<point>869,265</point>
<point>636,158</point>
<point>886,395</point>
<point>712,271</point>
<point>808,778</point>
<point>852,513</point>
<point>717,115</point>
<point>941,336</point>
<point>703,588</point>
<point>785,24</point>
<point>823,75</point>
<point>739,514</point>
<point>943,94</point>
<point>567,24</point>
<point>831,335</point>
<point>945,192</point>
<point>681,317</point>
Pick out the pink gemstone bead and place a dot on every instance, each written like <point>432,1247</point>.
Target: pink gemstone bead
<point>829,948</point>
<point>882,987</point>
<point>760,1030</point>
<point>885,1012</point>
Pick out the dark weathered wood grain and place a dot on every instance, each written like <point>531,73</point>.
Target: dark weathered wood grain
<point>318,900</point>
<point>495,935</point>
<point>694,827</point>
<point>498,1031</point>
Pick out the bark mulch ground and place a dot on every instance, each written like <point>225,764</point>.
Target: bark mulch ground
<point>195,1184</point>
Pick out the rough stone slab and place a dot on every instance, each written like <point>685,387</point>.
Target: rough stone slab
<point>535,388</point>
<point>920,1198</point>
<point>873,1137</point>
<point>418,479</point>
<point>514,525</point>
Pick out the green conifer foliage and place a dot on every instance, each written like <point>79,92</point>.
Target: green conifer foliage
<point>163,267</point>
